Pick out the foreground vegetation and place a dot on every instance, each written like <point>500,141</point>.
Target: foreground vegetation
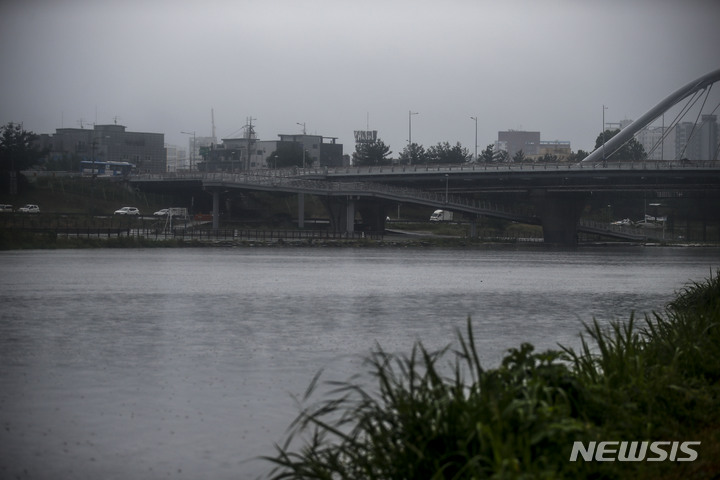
<point>427,418</point>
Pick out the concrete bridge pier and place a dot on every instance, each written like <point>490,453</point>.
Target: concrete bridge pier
<point>301,210</point>
<point>342,213</point>
<point>216,209</point>
<point>374,214</point>
<point>559,215</point>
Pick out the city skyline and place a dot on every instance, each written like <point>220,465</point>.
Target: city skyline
<point>334,67</point>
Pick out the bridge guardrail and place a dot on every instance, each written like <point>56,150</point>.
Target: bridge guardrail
<point>484,167</point>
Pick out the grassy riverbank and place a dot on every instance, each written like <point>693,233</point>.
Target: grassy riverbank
<point>656,379</point>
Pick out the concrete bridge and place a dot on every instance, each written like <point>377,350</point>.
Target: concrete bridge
<point>557,191</point>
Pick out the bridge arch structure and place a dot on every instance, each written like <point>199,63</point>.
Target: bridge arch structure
<point>670,101</point>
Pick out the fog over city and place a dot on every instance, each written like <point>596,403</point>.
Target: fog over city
<point>338,66</point>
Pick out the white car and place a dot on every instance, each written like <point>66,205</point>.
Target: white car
<point>161,213</point>
<point>6,208</point>
<point>29,208</point>
<point>127,211</point>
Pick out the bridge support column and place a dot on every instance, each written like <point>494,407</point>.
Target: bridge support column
<point>216,210</point>
<point>350,215</point>
<point>373,214</point>
<point>342,213</point>
<point>559,215</point>
<point>301,210</point>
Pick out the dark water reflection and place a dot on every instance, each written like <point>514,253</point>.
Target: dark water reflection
<point>180,363</point>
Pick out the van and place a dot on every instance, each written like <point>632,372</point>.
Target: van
<point>441,216</point>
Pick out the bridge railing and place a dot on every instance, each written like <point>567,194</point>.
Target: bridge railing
<point>505,166</point>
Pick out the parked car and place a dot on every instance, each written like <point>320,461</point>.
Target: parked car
<point>127,211</point>
<point>6,208</point>
<point>29,208</point>
<point>176,212</point>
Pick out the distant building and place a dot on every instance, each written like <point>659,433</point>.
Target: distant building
<point>197,146</point>
<point>684,140</point>
<point>319,152</point>
<point>687,141</point>
<point>177,158</point>
<point>709,144</point>
<point>109,143</point>
<point>245,153</point>
<point>513,141</point>
<point>559,149</point>
<point>697,141</point>
<point>656,147</point>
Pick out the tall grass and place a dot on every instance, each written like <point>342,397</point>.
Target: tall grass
<point>441,415</point>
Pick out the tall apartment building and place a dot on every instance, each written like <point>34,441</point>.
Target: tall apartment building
<point>657,147</point>
<point>709,143</point>
<point>109,143</point>
<point>697,141</point>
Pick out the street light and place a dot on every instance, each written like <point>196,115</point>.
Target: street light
<point>410,114</point>
<point>475,118</point>
<point>603,134</point>
<point>192,153</point>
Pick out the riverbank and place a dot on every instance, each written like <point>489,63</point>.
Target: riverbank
<point>639,399</point>
<point>50,242</point>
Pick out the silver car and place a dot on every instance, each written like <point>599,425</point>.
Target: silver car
<point>127,211</point>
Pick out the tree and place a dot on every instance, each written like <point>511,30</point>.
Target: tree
<point>631,151</point>
<point>488,155</point>
<point>371,153</point>
<point>444,153</point>
<point>501,156</point>
<point>64,163</point>
<point>519,157</point>
<point>548,158</point>
<point>413,155</point>
<point>578,156</point>
<point>18,151</point>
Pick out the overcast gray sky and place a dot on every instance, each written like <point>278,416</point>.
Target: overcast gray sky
<point>339,66</point>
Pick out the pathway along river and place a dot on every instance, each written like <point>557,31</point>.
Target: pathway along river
<point>181,363</point>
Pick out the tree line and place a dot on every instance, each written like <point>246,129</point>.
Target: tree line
<point>377,153</point>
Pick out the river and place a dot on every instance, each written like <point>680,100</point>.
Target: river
<point>183,363</point>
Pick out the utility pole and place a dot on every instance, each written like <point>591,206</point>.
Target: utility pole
<point>250,134</point>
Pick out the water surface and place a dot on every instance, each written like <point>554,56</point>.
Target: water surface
<point>178,363</point>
